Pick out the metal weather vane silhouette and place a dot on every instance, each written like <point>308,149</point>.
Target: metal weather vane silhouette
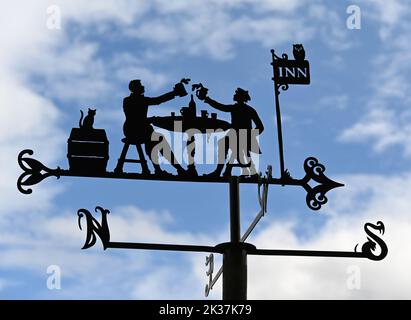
<point>88,155</point>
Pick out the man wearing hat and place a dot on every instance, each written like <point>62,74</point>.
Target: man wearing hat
<point>241,139</point>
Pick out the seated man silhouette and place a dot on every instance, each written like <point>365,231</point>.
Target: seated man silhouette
<point>242,117</point>
<point>137,127</point>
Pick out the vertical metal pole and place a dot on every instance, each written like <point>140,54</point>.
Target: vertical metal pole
<point>235,210</point>
<point>279,128</point>
<point>235,257</point>
<point>278,115</point>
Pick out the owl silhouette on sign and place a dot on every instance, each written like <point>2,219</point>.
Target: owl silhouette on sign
<point>298,52</point>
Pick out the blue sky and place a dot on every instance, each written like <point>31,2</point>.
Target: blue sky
<point>354,117</point>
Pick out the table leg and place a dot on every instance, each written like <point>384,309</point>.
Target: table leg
<point>191,150</point>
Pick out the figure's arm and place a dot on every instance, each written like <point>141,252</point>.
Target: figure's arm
<point>218,105</point>
<point>150,101</point>
<point>178,90</point>
<point>258,123</point>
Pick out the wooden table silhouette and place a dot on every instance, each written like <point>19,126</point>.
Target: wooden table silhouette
<point>191,126</point>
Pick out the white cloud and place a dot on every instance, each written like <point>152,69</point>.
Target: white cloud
<point>387,116</point>
<point>330,26</point>
<point>56,239</point>
<point>381,125</point>
<point>338,102</point>
<point>176,283</point>
<point>366,199</point>
<point>388,13</point>
<point>32,238</point>
<point>149,227</point>
<point>40,66</point>
<point>214,28</point>
<point>128,67</point>
<point>5,283</point>
<point>121,12</point>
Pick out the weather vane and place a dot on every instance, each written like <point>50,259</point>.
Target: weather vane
<point>88,155</point>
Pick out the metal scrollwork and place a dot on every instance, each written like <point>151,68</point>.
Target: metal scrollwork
<point>263,195</point>
<point>316,195</point>
<point>209,273</point>
<point>369,247</point>
<point>34,171</point>
<point>284,56</point>
<point>283,87</point>
<point>94,227</point>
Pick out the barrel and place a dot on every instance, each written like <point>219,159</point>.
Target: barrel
<point>87,151</point>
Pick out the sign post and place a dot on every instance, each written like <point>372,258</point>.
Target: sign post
<point>286,72</point>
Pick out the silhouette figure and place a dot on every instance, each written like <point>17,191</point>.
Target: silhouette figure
<point>242,116</point>
<point>298,52</point>
<point>88,121</point>
<point>138,130</point>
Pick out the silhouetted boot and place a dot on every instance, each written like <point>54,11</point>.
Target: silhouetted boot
<point>191,170</point>
<point>158,171</point>
<point>227,172</point>
<point>180,170</point>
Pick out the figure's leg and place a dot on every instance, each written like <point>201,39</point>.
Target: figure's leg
<point>191,150</point>
<point>164,149</point>
<point>153,155</point>
<point>222,152</point>
<point>252,169</point>
<point>167,153</point>
<point>245,171</point>
<point>229,166</point>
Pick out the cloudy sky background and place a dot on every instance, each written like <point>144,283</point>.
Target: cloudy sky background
<point>354,117</point>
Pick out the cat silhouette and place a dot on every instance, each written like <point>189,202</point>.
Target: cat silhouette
<point>87,123</point>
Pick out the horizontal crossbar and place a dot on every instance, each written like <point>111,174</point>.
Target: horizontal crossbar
<point>167,247</point>
<point>217,249</point>
<point>185,178</point>
<point>307,253</point>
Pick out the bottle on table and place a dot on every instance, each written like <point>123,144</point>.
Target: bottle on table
<point>192,107</point>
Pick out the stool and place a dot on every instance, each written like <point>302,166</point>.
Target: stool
<point>142,160</point>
